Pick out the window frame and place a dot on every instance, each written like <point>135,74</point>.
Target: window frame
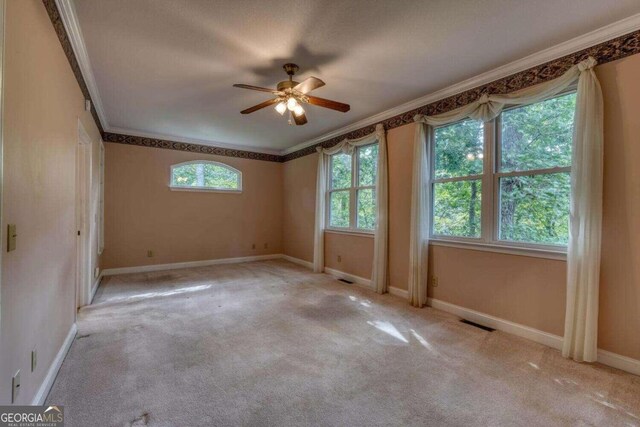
<point>201,188</point>
<point>433,181</point>
<point>489,239</point>
<point>353,194</point>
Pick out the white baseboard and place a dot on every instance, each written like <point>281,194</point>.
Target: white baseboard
<point>554,341</point>
<point>45,387</point>
<point>403,293</point>
<point>357,280</point>
<point>360,281</point>
<point>188,264</point>
<point>523,331</point>
<point>618,361</point>
<point>298,261</point>
<point>94,288</point>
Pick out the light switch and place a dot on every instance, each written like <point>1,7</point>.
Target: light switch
<point>15,386</point>
<point>11,237</point>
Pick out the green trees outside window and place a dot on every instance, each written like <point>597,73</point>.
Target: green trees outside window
<point>352,191</point>
<point>457,189</point>
<point>534,171</point>
<point>205,175</point>
<point>526,175</point>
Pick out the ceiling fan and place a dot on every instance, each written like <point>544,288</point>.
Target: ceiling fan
<point>290,95</point>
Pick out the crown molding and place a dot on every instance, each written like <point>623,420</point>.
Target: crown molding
<point>195,141</point>
<point>601,35</point>
<point>69,18</point>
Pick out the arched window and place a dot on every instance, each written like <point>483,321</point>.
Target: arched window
<point>204,175</point>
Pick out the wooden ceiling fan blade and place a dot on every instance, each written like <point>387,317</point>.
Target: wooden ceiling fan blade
<point>308,85</point>
<point>327,103</point>
<point>258,88</point>
<point>300,120</point>
<point>260,106</point>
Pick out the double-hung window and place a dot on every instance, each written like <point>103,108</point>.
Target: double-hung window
<point>457,183</point>
<point>505,182</point>
<point>351,195</point>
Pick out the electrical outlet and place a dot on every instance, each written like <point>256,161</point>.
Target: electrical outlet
<point>339,258</point>
<point>15,387</point>
<point>149,253</point>
<point>434,281</point>
<point>34,359</point>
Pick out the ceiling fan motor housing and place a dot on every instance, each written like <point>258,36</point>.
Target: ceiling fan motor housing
<point>286,84</point>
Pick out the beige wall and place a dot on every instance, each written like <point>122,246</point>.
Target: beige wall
<point>619,321</point>
<point>42,104</point>
<point>142,213</point>
<point>400,152</point>
<point>526,290</point>
<point>299,184</point>
<point>350,253</point>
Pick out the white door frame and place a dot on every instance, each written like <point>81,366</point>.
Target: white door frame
<point>83,217</point>
<point>3,238</point>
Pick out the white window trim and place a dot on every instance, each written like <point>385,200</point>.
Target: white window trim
<point>353,199</point>
<point>205,189</point>
<point>359,233</point>
<point>490,222</point>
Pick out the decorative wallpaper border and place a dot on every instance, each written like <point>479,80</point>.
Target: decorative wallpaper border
<point>183,146</point>
<point>61,31</point>
<point>608,51</point>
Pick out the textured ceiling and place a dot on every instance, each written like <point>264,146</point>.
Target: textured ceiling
<point>166,67</point>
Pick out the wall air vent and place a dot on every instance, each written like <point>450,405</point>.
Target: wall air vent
<point>346,281</point>
<point>485,328</point>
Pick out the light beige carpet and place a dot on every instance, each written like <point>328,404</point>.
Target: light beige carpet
<point>272,344</point>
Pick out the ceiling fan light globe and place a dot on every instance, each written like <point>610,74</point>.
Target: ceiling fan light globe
<point>298,110</point>
<point>292,104</point>
<point>281,108</point>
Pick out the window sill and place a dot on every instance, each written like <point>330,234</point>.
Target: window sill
<point>350,232</point>
<point>204,190</point>
<point>558,254</point>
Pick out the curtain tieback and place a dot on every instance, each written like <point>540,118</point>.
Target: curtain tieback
<point>587,64</point>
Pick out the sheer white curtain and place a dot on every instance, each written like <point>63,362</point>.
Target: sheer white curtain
<point>420,208</point>
<point>379,275</point>
<point>321,197</point>
<point>583,256</point>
